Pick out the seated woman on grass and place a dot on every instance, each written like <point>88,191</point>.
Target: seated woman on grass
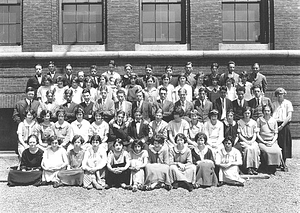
<point>229,159</point>
<point>29,172</point>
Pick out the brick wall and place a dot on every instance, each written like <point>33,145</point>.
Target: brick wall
<point>287,24</point>
<point>122,24</point>
<point>206,24</point>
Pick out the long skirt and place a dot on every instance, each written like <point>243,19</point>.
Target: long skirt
<point>20,178</point>
<point>230,175</point>
<point>188,175</point>
<point>99,176</point>
<point>50,176</point>
<point>285,141</point>
<point>250,154</point>
<point>157,173</point>
<point>271,155</point>
<point>73,177</point>
<point>205,175</point>
<point>113,179</point>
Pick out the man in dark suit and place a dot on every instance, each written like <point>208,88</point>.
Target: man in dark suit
<point>138,129</point>
<point>25,104</point>
<point>36,81</point>
<point>203,105</point>
<point>166,106</point>
<point>52,71</point>
<point>94,76</point>
<point>87,105</point>
<point>184,104</point>
<point>222,104</point>
<point>239,104</point>
<point>69,106</point>
<point>143,106</point>
<point>68,77</point>
<point>122,104</point>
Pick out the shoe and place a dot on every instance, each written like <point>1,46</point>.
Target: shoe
<point>196,186</point>
<point>221,183</point>
<point>123,185</point>
<point>250,171</point>
<point>41,183</point>
<point>284,169</point>
<point>254,171</point>
<point>168,187</point>
<point>188,186</point>
<point>57,184</point>
<point>175,185</point>
<point>134,188</point>
<point>107,186</point>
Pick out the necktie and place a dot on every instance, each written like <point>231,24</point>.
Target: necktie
<point>202,104</point>
<point>156,157</point>
<point>30,104</point>
<point>257,102</point>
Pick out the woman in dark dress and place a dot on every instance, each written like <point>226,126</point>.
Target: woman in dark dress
<point>30,168</point>
<point>230,126</point>
<point>203,158</point>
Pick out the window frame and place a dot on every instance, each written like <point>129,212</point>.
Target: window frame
<point>263,21</point>
<point>183,22</point>
<point>9,4</point>
<point>76,3</point>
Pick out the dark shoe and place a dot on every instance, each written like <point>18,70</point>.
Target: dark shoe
<point>187,186</point>
<point>134,188</point>
<point>107,186</point>
<point>221,183</point>
<point>41,183</point>
<point>254,172</point>
<point>57,184</point>
<point>168,187</point>
<point>250,171</point>
<point>175,185</point>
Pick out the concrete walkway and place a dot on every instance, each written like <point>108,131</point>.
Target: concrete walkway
<point>8,159</point>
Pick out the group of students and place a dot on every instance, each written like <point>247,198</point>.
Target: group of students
<point>141,133</point>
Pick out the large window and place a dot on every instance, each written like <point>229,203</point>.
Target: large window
<point>163,21</point>
<point>242,21</point>
<point>82,21</point>
<point>10,27</point>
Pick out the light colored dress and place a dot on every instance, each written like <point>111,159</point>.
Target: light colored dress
<point>250,152</point>
<point>24,130</point>
<point>102,130</point>
<point>215,134</point>
<point>77,93</point>
<point>41,92</point>
<point>267,130</point>
<point>231,174</point>
<point>81,128</point>
<point>157,170</point>
<point>184,156</point>
<point>138,159</point>
<point>97,160</point>
<point>63,132</point>
<point>53,160</point>
<point>59,95</point>
<point>174,128</point>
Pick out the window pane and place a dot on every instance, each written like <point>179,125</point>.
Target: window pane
<point>69,33</point>
<point>95,13</point>
<point>241,31</point>
<point>253,12</point>
<point>69,13</point>
<point>174,13</point>
<point>241,12</point>
<point>4,14</point>
<point>253,31</point>
<point>161,13</point>
<point>12,34</point>
<point>228,32</point>
<point>148,13</point>
<point>228,12</point>
<point>82,13</point>
<point>175,32</point>
<point>14,15</point>
<point>96,32</point>
<point>83,32</point>
<point>148,32</point>
<point>162,32</point>
<point>3,33</point>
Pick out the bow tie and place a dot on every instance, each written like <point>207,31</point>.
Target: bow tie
<point>59,128</point>
<point>137,122</point>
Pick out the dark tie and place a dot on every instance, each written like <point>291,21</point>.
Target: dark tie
<point>156,157</point>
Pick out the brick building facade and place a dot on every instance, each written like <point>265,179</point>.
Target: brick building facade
<point>201,31</point>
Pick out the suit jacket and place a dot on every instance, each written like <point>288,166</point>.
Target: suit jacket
<point>21,107</point>
<point>203,110</point>
<point>67,80</point>
<point>116,131</point>
<point>33,82</point>
<point>88,110</point>
<point>257,107</point>
<point>147,110</point>
<point>143,132</point>
<point>223,77</point>
<point>128,107</point>
<point>56,74</point>
<point>238,110</point>
<point>259,79</point>
<point>70,111</point>
<point>218,106</point>
<point>167,108</point>
<point>108,108</point>
<point>187,111</point>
